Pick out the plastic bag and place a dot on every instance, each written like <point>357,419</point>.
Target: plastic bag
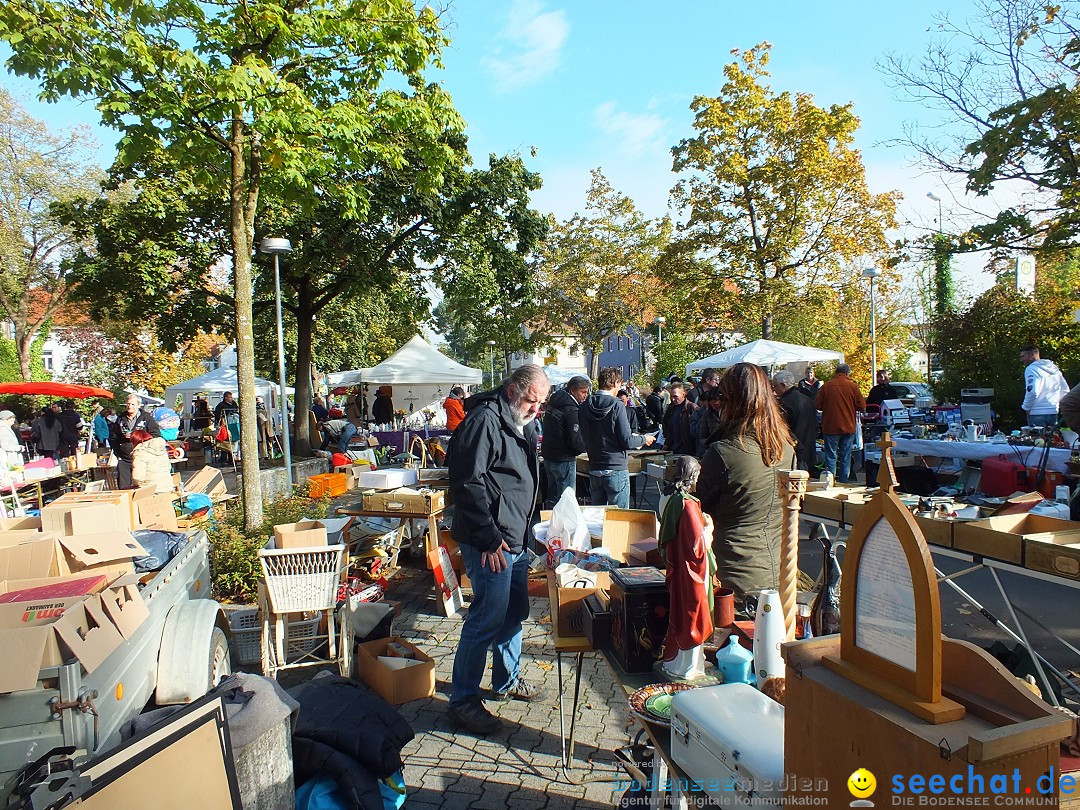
<point>568,524</point>
<point>222,434</point>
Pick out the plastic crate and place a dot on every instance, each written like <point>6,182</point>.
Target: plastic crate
<point>246,630</point>
<point>302,636</point>
<point>332,484</point>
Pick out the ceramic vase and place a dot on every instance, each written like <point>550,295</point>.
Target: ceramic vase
<point>769,633</point>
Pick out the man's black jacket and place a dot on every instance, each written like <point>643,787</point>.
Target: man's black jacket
<point>562,434</point>
<point>494,475</point>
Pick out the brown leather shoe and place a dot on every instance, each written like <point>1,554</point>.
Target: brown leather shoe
<point>472,716</point>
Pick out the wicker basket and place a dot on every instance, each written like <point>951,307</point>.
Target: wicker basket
<point>303,579</point>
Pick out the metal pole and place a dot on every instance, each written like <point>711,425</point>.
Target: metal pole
<point>491,363</point>
<point>285,446</point>
<point>660,334</point>
<point>873,333</point>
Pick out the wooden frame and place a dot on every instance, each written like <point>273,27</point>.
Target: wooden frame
<point>918,690</point>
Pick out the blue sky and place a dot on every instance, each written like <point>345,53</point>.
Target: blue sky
<point>594,83</point>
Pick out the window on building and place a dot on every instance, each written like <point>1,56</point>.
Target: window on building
<point>630,372</point>
<point>630,343</point>
<point>47,360</point>
<point>618,342</point>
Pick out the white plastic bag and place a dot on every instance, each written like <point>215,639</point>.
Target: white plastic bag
<point>568,523</point>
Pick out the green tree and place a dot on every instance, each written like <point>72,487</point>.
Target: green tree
<point>980,346</point>
<point>774,198</point>
<point>597,269</point>
<point>37,169</point>
<point>294,98</point>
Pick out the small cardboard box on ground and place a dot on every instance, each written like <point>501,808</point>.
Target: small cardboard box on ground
<point>411,682</point>
<point>304,534</point>
<point>622,529</point>
<point>1004,537</point>
<point>406,501</point>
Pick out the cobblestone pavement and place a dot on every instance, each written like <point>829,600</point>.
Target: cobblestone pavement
<point>519,766</point>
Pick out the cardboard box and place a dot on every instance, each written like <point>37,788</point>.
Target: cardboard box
<point>36,590</point>
<point>568,604</point>
<point>33,560</point>
<point>937,532</point>
<point>125,501</point>
<point>396,685</point>
<point>387,478</point>
<point>67,518</point>
<point>82,461</point>
<point>88,633</point>
<point>124,605</point>
<point>305,534</point>
<point>27,524</point>
<point>207,481</point>
<point>156,512</point>
<point>109,553</point>
<point>647,552</point>
<point>1004,536</point>
<point>405,501</point>
<point>18,536</point>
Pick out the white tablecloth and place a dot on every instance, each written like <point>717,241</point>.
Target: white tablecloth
<point>977,451</point>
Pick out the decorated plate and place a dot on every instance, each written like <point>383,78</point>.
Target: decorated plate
<point>653,703</point>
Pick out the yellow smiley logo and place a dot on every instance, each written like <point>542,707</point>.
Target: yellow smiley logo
<point>862,784</point>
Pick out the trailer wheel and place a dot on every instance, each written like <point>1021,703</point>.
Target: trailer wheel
<point>220,660</point>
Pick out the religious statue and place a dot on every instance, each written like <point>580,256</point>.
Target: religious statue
<point>685,544</point>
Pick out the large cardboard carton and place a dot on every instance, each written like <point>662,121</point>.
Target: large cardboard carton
<point>156,512</point>
<point>29,524</point>
<point>68,518</point>
<point>17,536</point>
<point>31,560</point>
<point>1004,536</point>
<point>305,534</point>
<point>405,501</point>
<point>396,685</point>
<point>109,553</point>
<point>21,591</point>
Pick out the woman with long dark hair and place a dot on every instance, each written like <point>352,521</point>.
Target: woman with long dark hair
<point>737,486</point>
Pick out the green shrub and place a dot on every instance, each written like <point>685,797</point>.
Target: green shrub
<point>234,552</point>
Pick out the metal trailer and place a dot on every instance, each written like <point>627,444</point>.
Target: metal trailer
<point>175,656</point>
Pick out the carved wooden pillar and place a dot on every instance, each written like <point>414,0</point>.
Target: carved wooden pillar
<point>792,485</point>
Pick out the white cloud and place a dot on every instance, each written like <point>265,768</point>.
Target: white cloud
<point>635,135</point>
<point>530,46</point>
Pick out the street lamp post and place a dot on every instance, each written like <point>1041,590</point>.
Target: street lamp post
<point>936,199</point>
<point>872,273</point>
<point>275,247</point>
<point>491,360</point>
<point>660,320</point>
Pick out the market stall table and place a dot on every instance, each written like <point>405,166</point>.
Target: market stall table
<point>979,451</point>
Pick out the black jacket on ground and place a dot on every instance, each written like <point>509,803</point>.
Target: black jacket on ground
<point>562,435</point>
<point>494,475</point>
<point>606,430</point>
<point>121,429</point>
<point>347,729</point>
<point>801,416</point>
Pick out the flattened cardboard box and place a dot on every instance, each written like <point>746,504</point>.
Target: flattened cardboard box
<point>88,633</point>
<point>108,552</point>
<point>125,606</point>
<point>396,685</point>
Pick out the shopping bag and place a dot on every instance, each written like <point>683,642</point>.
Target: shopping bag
<point>568,523</point>
<point>222,434</point>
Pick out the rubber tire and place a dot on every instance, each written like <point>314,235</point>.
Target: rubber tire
<point>219,663</point>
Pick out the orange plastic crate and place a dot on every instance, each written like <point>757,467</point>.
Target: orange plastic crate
<point>332,484</point>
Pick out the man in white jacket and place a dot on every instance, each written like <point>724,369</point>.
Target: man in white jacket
<point>1044,387</point>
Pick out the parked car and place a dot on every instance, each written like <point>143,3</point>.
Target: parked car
<point>915,395</point>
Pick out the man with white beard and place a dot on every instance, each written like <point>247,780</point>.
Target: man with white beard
<point>494,480</point>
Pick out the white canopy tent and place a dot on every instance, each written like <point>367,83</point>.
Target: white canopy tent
<point>420,374</point>
<point>214,384</point>
<point>765,353</point>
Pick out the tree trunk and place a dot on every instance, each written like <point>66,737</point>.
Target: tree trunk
<point>242,195</point>
<point>594,363</point>
<point>304,319</point>
<point>24,340</point>
<point>766,327</point>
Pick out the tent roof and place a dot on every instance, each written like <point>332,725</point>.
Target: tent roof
<point>419,362</point>
<point>220,379</point>
<point>765,353</point>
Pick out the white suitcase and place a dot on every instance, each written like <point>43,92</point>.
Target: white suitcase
<point>730,741</point>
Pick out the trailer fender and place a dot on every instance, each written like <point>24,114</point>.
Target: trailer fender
<point>194,652</point>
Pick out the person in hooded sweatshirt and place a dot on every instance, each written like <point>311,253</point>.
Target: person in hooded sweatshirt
<point>562,442</point>
<point>150,465</point>
<point>608,437</point>
<point>454,405</point>
<point>1044,388</point>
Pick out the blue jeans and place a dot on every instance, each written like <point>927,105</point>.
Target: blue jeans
<point>560,475</point>
<point>1043,420</point>
<point>500,604</point>
<point>838,455</point>
<point>610,487</point>
<point>347,433</point>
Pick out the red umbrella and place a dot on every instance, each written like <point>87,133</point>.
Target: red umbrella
<point>55,389</point>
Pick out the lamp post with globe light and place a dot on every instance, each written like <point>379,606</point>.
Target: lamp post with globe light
<point>872,273</point>
<point>275,247</point>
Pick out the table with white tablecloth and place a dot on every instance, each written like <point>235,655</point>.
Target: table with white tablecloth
<point>977,451</point>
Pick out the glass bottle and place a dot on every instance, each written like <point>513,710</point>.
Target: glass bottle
<point>825,612</point>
